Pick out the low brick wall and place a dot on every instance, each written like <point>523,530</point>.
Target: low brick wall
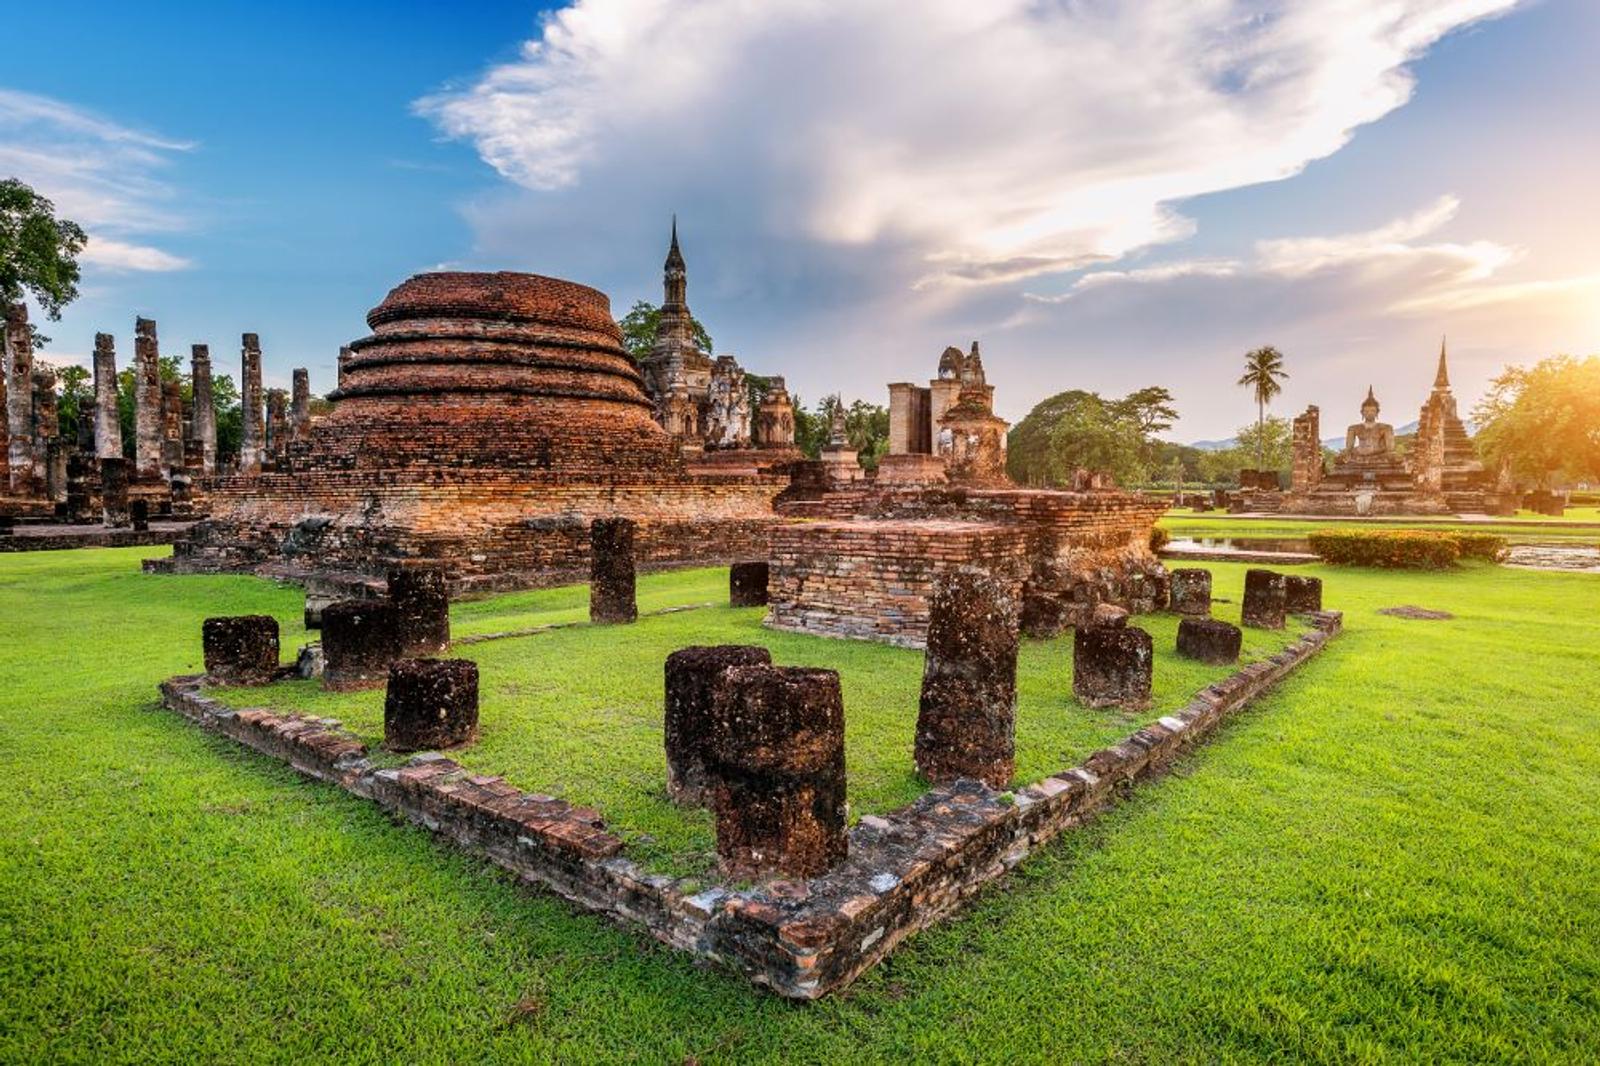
<point>905,870</point>
<point>871,580</point>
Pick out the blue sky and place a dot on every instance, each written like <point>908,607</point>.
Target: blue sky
<point>1105,197</point>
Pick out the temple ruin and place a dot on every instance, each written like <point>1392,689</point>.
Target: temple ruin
<point>1441,474</point>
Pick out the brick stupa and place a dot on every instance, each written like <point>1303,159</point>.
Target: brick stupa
<point>484,422</point>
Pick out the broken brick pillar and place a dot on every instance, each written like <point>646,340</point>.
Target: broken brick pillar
<point>430,704</point>
<point>1265,596</point>
<point>300,405</point>
<point>114,492</point>
<point>82,477</point>
<point>776,757</point>
<point>966,724</point>
<point>139,515</point>
<point>147,396</point>
<point>252,433</point>
<point>421,596</point>
<point>693,677</point>
<point>1112,666</point>
<point>107,424</point>
<point>241,650</point>
<point>1210,640</point>
<point>611,578</point>
<point>203,425</point>
<point>1302,595</point>
<point>360,638</point>
<point>747,584</point>
<point>1191,592</point>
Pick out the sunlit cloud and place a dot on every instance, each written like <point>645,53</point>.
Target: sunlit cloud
<point>105,176</point>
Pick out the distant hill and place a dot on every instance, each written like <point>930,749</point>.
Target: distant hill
<point>1327,442</point>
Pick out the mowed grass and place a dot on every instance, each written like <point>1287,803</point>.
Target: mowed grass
<point>1395,857</point>
<point>577,712</point>
<point>1575,525</point>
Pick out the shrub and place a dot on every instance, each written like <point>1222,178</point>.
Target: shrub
<point>1485,546</point>
<point>1405,549</point>
<point>1159,538</point>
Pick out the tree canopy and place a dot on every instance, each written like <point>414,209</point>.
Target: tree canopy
<point>1078,429</point>
<point>1544,420</point>
<point>639,330</point>
<point>1263,370</point>
<point>38,252</point>
<point>866,426</point>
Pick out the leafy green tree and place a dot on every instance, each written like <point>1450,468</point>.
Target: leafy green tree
<point>1544,420</point>
<point>1076,429</point>
<point>1269,442</point>
<point>76,401</point>
<point>866,427</point>
<point>38,252</point>
<point>1263,370</point>
<point>639,330</point>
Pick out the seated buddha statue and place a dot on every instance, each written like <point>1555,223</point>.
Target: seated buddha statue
<point>1369,442</point>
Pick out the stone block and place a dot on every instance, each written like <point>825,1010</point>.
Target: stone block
<point>1112,666</point>
<point>747,584</point>
<point>966,722</point>
<point>1191,592</point>
<point>360,638</point>
<point>611,572</point>
<point>693,676</point>
<point>777,761</point>
<point>421,597</point>
<point>430,704</point>
<point>1265,598</point>
<point>1302,595</point>
<point>241,650</point>
<point>1209,640</point>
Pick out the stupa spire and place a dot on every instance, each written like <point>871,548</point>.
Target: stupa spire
<point>1441,380</point>
<point>675,283</point>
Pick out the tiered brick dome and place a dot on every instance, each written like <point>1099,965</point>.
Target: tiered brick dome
<point>515,371</point>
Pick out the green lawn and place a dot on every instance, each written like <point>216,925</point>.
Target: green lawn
<point>1396,857</point>
<point>1186,523</point>
<point>577,712</point>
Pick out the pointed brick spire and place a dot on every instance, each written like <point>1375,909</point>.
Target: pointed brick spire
<point>1441,380</point>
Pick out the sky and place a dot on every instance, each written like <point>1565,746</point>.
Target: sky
<point>1105,195</point>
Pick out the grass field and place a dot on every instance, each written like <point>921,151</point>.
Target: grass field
<point>1571,527</point>
<point>578,712</point>
<point>1396,857</point>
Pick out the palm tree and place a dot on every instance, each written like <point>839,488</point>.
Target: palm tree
<point>1263,369</point>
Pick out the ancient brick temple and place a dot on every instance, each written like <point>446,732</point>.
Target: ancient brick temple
<point>707,406</point>
<point>865,564</point>
<point>1441,475</point>
<point>484,422</point>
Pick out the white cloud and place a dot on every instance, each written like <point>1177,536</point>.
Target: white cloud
<point>972,143</point>
<point>105,176</point>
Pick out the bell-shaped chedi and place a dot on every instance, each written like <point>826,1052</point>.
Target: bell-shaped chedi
<point>484,423</point>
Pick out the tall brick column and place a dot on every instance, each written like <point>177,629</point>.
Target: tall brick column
<point>777,763</point>
<point>107,421</point>
<point>300,405</point>
<point>966,725</point>
<point>277,425</point>
<point>611,572</point>
<point>49,453</point>
<point>252,439</point>
<point>203,427</point>
<point>171,425</point>
<point>693,676</point>
<point>19,398</point>
<point>147,424</point>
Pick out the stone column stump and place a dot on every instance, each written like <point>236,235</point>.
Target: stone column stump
<point>693,676</point>
<point>1302,595</point>
<point>139,515</point>
<point>747,584</point>
<point>1112,666</point>
<point>430,704</point>
<point>1191,592</point>
<point>114,492</point>
<point>1209,640</point>
<point>611,578</point>
<point>777,764</point>
<point>1265,595</point>
<point>241,650</point>
<point>966,722</point>
<point>360,638</point>
<point>421,597</point>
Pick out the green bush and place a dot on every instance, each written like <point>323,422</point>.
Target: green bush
<point>1159,538</point>
<point>1485,546</point>
<point>1400,549</point>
